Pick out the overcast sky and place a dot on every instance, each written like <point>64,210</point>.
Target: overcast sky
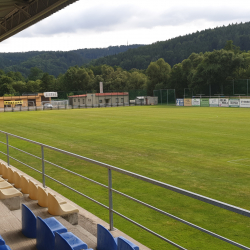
<point>98,24</point>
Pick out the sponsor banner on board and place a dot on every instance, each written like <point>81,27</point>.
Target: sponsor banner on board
<point>223,102</point>
<point>13,102</point>
<point>234,103</point>
<point>196,102</point>
<point>50,94</point>
<point>204,102</point>
<point>245,103</point>
<point>179,102</point>
<point>188,102</point>
<point>213,102</point>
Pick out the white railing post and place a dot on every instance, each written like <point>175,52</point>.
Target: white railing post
<point>111,223</point>
<point>8,153</point>
<point>43,168</point>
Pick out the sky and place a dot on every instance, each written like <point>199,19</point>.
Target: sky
<point>99,24</point>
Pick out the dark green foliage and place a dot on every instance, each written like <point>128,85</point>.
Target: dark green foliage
<point>175,50</point>
<point>206,73</point>
<point>55,62</point>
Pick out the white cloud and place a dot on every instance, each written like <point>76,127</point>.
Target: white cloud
<point>98,24</point>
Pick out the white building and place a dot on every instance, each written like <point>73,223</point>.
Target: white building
<point>146,100</point>
<point>100,99</point>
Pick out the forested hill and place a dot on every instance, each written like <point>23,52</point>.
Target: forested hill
<point>177,49</point>
<point>172,51</point>
<point>55,62</point>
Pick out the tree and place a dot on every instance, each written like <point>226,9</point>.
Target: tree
<point>230,46</point>
<point>47,82</point>
<point>214,70</point>
<point>35,74</point>
<point>33,86</point>
<point>19,87</point>
<point>78,79</point>
<point>5,80</point>
<point>137,80</point>
<point>159,73</point>
<point>16,76</point>
<point>6,89</point>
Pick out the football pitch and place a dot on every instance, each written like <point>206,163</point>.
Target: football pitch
<point>203,150</point>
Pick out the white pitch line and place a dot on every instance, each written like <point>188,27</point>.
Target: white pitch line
<point>237,162</point>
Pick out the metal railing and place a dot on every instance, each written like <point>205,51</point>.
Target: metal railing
<point>111,190</point>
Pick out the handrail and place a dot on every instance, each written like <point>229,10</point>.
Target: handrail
<point>143,178</point>
<point>196,196</point>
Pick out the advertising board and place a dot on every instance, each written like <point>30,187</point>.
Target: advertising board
<point>179,102</point>
<point>213,102</point>
<point>205,102</point>
<point>223,102</point>
<point>234,103</point>
<point>245,103</point>
<point>196,102</point>
<point>187,102</point>
<point>50,94</point>
<point>13,102</point>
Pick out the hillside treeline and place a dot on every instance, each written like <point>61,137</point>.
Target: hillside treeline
<point>173,51</point>
<point>177,49</point>
<point>198,72</point>
<point>55,62</point>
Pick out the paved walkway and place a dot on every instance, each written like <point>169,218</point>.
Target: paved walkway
<point>86,230</point>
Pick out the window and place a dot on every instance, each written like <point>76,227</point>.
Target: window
<point>83,101</point>
<point>122,100</point>
<point>78,100</point>
<point>100,101</point>
<point>74,100</point>
<point>89,100</point>
<point>117,100</point>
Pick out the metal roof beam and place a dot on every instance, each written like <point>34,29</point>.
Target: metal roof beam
<point>23,14</point>
<point>22,10</point>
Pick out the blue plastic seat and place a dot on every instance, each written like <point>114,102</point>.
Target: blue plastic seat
<point>68,241</point>
<point>2,242</point>
<point>105,240</point>
<point>28,222</point>
<point>124,244</point>
<point>4,247</point>
<point>45,233</point>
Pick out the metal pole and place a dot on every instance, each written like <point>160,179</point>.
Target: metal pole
<point>247,87</point>
<point>8,156</point>
<point>111,223</point>
<point>43,169</point>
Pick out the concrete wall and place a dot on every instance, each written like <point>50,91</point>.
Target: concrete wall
<point>95,100</point>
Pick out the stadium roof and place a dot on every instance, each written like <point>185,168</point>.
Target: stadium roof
<point>17,15</point>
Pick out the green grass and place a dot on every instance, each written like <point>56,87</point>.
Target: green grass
<point>203,150</point>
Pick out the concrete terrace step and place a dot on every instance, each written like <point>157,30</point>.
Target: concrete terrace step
<point>86,230</point>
